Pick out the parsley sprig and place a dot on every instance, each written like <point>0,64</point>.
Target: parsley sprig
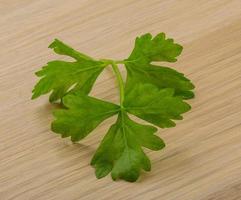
<point>150,92</point>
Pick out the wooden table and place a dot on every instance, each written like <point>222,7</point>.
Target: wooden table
<point>202,160</point>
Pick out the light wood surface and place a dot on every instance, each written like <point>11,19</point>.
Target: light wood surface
<point>202,160</point>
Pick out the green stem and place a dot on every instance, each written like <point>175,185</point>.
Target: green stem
<point>120,82</point>
<point>119,62</point>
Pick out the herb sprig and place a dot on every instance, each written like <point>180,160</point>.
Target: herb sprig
<point>150,92</point>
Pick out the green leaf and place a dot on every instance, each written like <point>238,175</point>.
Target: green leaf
<point>148,49</point>
<point>140,69</point>
<point>162,77</point>
<point>159,107</point>
<point>152,93</point>
<point>120,152</point>
<point>83,114</point>
<point>62,77</point>
<point>63,49</point>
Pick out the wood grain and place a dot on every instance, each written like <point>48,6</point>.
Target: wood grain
<point>202,160</point>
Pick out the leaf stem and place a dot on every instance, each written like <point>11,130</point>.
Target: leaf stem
<point>120,82</point>
<point>119,61</point>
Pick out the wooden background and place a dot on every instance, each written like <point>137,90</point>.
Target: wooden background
<point>202,160</point>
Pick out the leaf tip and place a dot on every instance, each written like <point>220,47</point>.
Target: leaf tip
<point>54,43</point>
